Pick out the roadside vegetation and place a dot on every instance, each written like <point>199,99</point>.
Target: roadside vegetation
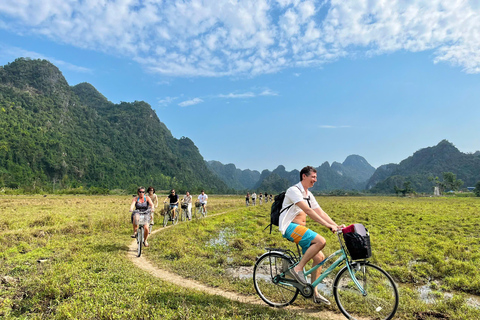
<point>64,257</point>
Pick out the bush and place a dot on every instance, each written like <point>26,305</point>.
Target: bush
<point>477,189</point>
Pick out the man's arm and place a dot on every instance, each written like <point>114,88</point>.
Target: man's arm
<point>319,217</point>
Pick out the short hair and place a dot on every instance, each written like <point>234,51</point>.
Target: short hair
<point>140,188</point>
<point>306,171</point>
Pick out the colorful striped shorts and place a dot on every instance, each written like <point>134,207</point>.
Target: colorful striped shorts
<point>300,235</point>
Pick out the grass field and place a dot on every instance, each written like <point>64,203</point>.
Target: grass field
<point>64,257</point>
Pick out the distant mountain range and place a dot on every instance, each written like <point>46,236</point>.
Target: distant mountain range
<point>424,165</point>
<point>355,173</point>
<point>352,174</point>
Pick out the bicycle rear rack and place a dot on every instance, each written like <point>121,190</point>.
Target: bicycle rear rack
<point>288,253</point>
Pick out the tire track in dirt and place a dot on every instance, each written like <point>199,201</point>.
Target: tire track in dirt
<point>144,264</point>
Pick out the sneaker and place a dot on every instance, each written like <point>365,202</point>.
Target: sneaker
<point>133,235</point>
<point>299,276</point>
<point>318,298</point>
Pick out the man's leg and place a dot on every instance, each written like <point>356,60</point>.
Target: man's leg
<point>317,244</point>
<point>319,257</point>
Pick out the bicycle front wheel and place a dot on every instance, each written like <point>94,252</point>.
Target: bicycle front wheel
<point>175,220</point>
<point>166,217</point>
<point>279,294</point>
<point>381,298</point>
<point>139,241</point>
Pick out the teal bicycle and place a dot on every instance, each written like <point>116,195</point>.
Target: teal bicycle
<point>361,290</point>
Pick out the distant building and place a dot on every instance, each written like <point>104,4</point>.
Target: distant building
<point>436,191</point>
<point>470,189</point>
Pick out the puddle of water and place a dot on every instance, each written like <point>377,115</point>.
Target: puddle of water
<point>428,296</point>
<point>222,238</point>
<point>243,273</point>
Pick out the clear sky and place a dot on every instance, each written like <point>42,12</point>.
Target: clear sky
<point>263,83</point>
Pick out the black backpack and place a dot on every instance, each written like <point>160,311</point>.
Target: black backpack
<point>276,210</point>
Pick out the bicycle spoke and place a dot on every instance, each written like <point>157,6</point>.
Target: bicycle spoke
<point>274,294</point>
<point>380,301</point>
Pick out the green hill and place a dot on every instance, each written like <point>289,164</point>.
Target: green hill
<point>57,136</point>
<point>234,178</point>
<point>424,166</point>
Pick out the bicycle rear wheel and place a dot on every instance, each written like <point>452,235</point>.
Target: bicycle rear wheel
<point>381,299</point>
<point>139,241</point>
<point>268,266</point>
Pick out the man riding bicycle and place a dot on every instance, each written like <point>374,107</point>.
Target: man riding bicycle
<point>202,198</point>
<point>173,199</point>
<point>298,203</point>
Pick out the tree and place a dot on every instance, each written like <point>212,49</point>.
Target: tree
<point>477,189</point>
<point>407,188</point>
<point>450,181</point>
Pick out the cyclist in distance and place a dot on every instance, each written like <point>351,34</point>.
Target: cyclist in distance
<point>298,203</point>
<point>187,199</point>
<point>202,198</point>
<point>141,203</point>
<point>153,197</point>
<point>173,198</point>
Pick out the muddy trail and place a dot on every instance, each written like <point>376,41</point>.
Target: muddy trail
<point>144,264</point>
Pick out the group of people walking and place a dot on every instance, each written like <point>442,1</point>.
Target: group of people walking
<point>147,203</point>
<point>261,197</point>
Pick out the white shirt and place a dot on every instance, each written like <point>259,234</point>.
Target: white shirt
<point>202,198</point>
<point>294,195</point>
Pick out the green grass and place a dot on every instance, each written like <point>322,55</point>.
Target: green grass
<point>67,258</point>
<point>84,273</point>
<point>419,241</point>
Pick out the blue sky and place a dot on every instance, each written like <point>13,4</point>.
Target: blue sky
<point>263,83</point>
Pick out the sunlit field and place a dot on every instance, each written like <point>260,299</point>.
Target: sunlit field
<point>65,257</point>
<point>429,245</point>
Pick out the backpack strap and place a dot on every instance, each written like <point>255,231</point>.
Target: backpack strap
<point>308,199</point>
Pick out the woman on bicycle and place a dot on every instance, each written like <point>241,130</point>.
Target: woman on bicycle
<point>141,203</point>
<point>153,197</point>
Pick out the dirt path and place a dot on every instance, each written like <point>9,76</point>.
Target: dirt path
<point>165,275</point>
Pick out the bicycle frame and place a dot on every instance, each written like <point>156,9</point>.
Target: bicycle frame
<point>343,258</point>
